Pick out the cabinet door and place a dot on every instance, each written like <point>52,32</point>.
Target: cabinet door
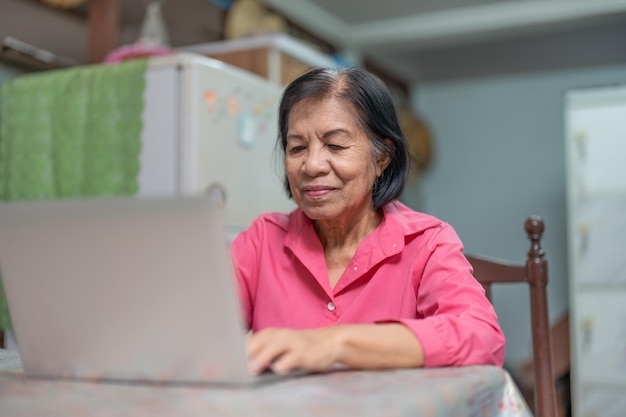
<point>602,403</point>
<point>601,338</point>
<point>600,243</point>
<point>598,134</point>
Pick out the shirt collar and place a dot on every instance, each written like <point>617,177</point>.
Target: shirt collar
<point>399,221</point>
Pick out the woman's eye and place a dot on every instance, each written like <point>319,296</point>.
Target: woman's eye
<point>296,149</point>
<point>335,147</point>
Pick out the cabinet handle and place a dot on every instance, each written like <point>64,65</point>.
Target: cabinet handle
<point>584,229</point>
<point>581,141</point>
<point>586,330</point>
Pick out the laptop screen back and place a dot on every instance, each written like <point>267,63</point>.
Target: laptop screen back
<point>123,289</point>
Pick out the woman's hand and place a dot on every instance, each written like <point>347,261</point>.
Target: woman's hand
<point>361,346</point>
<point>285,350</point>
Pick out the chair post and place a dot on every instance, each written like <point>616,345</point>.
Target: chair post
<point>536,270</point>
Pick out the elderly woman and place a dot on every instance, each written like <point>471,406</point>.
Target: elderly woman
<point>353,277</point>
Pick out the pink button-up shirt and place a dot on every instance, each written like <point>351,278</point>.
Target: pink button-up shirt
<point>411,269</point>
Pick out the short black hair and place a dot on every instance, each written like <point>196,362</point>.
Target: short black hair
<point>376,115</point>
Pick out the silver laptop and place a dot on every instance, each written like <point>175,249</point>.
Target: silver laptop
<point>123,289</point>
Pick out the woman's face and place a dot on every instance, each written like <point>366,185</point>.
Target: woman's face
<point>329,161</point>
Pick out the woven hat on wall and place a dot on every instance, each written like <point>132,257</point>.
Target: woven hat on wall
<point>418,138</point>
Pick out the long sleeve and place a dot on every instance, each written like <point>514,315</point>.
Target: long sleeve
<point>455,323</point>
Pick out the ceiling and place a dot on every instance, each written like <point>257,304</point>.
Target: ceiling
<point>438,39</point>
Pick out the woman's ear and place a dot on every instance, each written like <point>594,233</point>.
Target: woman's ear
<point>385,159</point>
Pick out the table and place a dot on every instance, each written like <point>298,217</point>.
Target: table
<point>474,391</point>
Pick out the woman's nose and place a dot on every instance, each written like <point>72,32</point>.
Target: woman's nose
<point>316,162</point>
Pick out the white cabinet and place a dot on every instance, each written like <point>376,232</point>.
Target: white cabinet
<point>596,203</point>
<point>209,125</point>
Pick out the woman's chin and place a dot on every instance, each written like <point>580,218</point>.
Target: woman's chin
<point>319,212</point>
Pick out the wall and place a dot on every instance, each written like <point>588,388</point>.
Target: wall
<point>499,157</point>
<point>6,73</point>
<point>45,27</point>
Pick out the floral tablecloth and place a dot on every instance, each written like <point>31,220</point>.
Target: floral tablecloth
<point>476,391</point>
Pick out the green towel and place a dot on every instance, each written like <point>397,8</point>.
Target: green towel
<point>71,133</point>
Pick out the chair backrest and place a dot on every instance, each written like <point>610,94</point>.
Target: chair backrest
<point>535,272</point>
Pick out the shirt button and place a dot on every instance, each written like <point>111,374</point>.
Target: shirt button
<point>394,245</point>
<point>356,267</point>
<point>331,306</point>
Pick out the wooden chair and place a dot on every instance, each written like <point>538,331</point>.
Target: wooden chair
<point>535,272</point>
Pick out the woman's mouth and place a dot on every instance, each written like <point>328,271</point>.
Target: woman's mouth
<point>316,191</point>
